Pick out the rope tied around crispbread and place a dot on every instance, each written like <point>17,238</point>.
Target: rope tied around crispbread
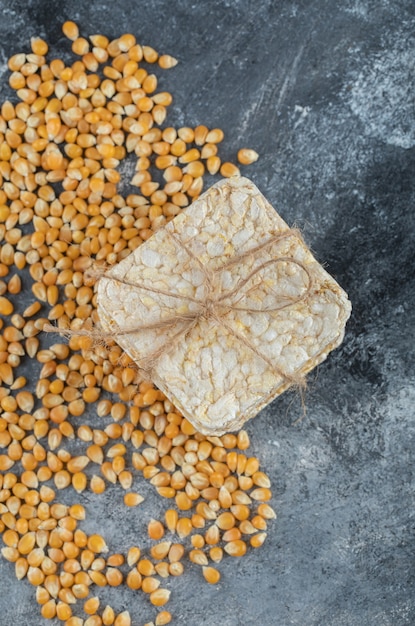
<point>212,307</point>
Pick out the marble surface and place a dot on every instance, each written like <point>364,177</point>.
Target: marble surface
<point>324,91</point>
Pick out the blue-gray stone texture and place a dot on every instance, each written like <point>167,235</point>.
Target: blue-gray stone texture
<point>325,92</point>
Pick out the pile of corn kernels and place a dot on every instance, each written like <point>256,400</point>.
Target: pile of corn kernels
<point>61,211</point>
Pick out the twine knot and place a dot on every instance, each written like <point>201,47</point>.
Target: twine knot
<point>210,309</point>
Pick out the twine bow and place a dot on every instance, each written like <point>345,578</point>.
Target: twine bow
<point>215,306</point>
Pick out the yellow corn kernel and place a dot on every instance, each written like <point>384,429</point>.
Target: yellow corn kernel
<point>70,30</point>
<point>216,554</point>
<point>212,535</point>
<point>133,555</point>
<point>134,579</point>
<point>246,156</point>
<point>198,557</point>
<point>261,493</point>
<point>77,511</point>
<point>176,569</point>
<point>225,520</point>
<point>26,543</point>
<point>97,544</point>
<point>114,577</point>
<point>145,567</point>
<point>257,540</point>
<point>197,540</point>
<point>184,527</point>
<point>160,550</point>
<point>191,155</point>
<point>183,502</point>
<point>6,307</point>
<point>232,535</point>
<point>97,484</point>
<point>21,567</point>
<point>228,169</point>
<point>166,62</point>
<point>108,616</point>
<point>266,511</point>
<point>162,569</point>
<point>235,548</point>
<point>97,577</point>
<point>133,499</point>
<point>214,136</point>
<point>123,619</point>
<point>80,46</point>
<point>171,517</point>
<point>155,529</point>
<point>176,552</point>
<point>211,575</point>
<point>150,584</point>
<point>213,164</point>
<point>160,597</point>
<point>48,610</point>
<point>63,611</point>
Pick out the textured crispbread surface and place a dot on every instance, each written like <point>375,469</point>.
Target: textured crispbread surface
<point>211,374</point>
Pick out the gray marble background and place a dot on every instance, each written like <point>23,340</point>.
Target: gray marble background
<point>324,91</point>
